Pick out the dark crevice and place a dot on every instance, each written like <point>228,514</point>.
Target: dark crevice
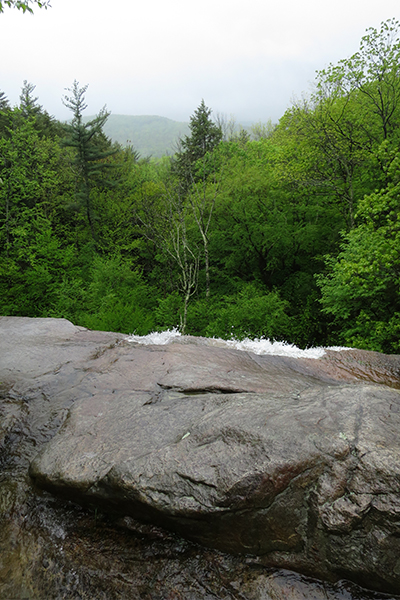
<point>213,390</point>
<point>195,391</point>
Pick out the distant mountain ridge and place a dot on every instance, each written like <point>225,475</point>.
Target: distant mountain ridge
<point>149,135</point>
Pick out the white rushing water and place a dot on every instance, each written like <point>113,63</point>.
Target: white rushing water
<point>257,346</point>
<point>160,338</point>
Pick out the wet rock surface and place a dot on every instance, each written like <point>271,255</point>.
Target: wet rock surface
<point>267,464</point>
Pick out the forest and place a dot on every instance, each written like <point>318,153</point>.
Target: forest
<point>288,232</point>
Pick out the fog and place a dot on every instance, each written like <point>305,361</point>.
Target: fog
<point>247,61</point>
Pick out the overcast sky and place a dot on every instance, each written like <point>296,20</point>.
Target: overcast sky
<point>161,57</point>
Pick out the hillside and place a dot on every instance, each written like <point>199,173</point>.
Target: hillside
<point>150,135</point>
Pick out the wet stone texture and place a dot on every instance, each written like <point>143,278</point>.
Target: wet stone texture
<point>194,471</point>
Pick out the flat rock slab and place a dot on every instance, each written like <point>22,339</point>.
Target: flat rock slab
<point>293,461</point>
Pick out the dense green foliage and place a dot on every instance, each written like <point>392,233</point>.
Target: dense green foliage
<point>293,235</point>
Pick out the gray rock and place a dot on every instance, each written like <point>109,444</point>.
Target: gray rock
<point>292,461</point>
<point>307,480</point>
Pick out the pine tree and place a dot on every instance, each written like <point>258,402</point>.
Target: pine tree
<point>5,111</point>
<point>45,125</point>
<point>91,148</point>
<point>4,105</point>
<point>28,104</point>
<point>204,136</point>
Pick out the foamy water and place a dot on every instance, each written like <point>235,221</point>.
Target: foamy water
<point>257,346</point>
<point>159,338</point>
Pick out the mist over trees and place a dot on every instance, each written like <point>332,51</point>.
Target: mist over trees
<point>290,232</point>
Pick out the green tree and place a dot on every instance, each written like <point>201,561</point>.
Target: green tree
<point>271,233</point>
<point>204,136</point>
<point>4,105</point>
<point>250,313</point>
<point>336,135</point>
<point>196,170</point>
<point>117,298</point>
<point>361,288</point>
<point>46,125</point>
<point>5,114</point>
<point>27,103</point>
<point>32,259</point>
<point>33,269</point>
<point>28,171</point>
<point>90,151</point>
<point>165,222</point>
<point>326,153</point>
<point>371,75</point>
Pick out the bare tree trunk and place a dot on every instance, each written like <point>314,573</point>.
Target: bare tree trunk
<point>170,234</point>
<point>202,198</point>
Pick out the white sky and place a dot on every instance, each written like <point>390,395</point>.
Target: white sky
<point>247,59</point>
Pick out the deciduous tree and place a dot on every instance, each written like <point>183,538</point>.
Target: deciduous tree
<point>165,222</point>
<point>362,286</point>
